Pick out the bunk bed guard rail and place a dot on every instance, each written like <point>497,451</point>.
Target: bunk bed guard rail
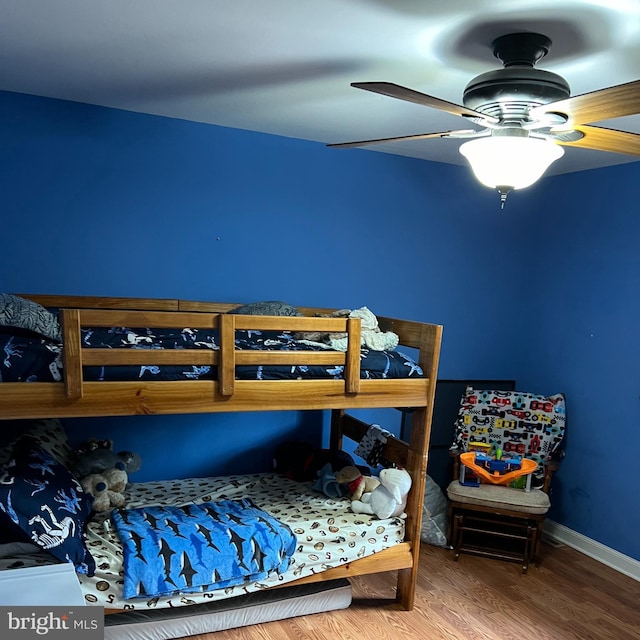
<point>75,356</point>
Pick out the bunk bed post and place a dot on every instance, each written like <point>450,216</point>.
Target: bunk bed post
<point>417,459</point>
<point>417,467</point>
<point>337,430</point>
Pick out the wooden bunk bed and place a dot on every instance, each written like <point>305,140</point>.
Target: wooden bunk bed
<point>77,397</point>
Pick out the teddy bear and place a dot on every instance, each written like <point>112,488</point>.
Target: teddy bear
<point>117,480</point>
<point>357,483</point>
<point>389,498</point>
<point>106,488</point>
<point>103,473</point>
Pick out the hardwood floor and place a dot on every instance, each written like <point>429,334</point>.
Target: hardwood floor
<point>569,596</point>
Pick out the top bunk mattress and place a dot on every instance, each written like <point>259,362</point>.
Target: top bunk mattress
<point>33,351</point>
<point>26,358</point>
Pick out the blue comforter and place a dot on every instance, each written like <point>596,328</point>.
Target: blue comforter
<point>198,547</point>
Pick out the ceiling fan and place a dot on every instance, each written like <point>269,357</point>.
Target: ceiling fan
<point>526,115</point>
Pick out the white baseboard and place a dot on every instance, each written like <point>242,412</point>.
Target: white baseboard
<point>592,548</point>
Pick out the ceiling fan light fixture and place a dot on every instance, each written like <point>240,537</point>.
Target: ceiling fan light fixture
<point>511,162</point>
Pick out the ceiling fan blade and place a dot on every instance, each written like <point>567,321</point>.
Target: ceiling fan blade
<point>461,133</point>
<point>403,93</point>
<point>602,139</point>
<point>604,104</point>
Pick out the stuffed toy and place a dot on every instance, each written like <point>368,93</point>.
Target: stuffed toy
<point>106,488</point>
<point>389,499</point>
<point>371,335</point>
<point>117,480</point>
<point>302,461</point>
<point>96,456</point>
<point>103,473</point>
<point>92,444</point>
<point>356,483</point>
<point>328,484</point>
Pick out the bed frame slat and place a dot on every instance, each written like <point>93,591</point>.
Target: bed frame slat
<point>352,366</point>
<point>227,367</point>
<point>72,354</point>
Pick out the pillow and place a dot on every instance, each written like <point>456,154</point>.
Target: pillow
<point>50,435</point>
<point>21,313</point>
<point>268,308</point>
<point>45,502</point>
<point>516,422</point>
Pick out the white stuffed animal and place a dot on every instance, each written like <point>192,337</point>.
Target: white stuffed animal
<point>389,499</point>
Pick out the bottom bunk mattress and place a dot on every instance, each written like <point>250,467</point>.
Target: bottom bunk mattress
<point>311,533</point>
<point>253,608</point>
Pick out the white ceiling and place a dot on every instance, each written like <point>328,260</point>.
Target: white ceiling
<point>285,66</point>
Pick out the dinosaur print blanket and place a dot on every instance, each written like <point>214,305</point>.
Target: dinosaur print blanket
<point>198,547</point>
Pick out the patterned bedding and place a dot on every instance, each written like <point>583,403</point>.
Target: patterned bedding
<point>328,534</point>
<point>27,357</point>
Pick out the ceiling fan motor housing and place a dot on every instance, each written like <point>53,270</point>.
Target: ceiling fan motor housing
<point>510,93</point>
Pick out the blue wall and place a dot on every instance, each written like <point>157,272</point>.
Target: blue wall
<point>583,282</point>
<point>106,202</point>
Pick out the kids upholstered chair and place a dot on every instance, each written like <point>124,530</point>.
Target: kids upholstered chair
<point>507,444</point>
